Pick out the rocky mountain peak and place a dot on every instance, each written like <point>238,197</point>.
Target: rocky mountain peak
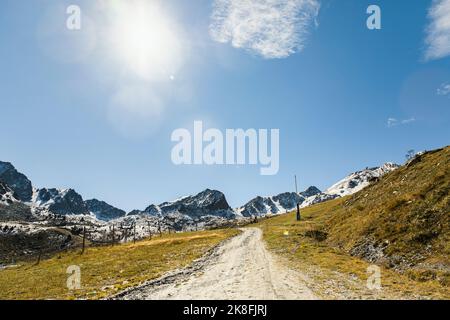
<point>206,203</point>
<point>60,201</point>
<point>103,210</point>
<point>7,195</point>
<point>17,181</point>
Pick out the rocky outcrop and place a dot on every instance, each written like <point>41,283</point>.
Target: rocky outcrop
<point>60,201</point>
<point>17,181</point>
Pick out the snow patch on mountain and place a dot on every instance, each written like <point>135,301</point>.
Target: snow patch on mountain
<point>359,180</point>
<point>59,201</point>
<point>318,198</point>
<point>7,195</point>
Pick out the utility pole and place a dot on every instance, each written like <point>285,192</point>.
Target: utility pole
<point>84,239</point>
<point>298,205</point>
<point>113,235</point>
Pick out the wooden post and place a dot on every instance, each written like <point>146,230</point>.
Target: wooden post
<point>113,235</point>
<point>124,232</point>
<point>149,230</point>
<point>39,257</point>
<point>84,240</point>
<point>298,206</point>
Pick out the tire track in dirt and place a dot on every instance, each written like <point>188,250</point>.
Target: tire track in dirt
<point>239,268</point>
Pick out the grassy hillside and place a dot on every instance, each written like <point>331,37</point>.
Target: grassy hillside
<point>106,270</point>
<point>400,223</point>
<point>403,221</point>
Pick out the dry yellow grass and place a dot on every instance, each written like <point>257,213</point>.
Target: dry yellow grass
<point>406,215</point>
<point>286,237</point>
<point>107,270</point>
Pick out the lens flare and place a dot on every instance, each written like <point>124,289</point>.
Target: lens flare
<point>145,39</point>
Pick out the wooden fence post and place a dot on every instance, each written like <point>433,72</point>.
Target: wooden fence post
<point>113,235</point>
<point>149,230</point>
<point>84,240</point>
<point>39,257</point>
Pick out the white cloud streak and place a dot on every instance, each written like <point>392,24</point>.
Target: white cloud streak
<point>269,28</point>
<point>443,90</point>
<point>392,122</point>
<point>438,30</point>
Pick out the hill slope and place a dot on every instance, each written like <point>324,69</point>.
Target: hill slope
<point>401,221</point>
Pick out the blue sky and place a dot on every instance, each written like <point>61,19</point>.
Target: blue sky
<point>74,112</point>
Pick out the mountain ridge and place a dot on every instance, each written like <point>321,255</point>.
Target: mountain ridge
<point>205,203</point>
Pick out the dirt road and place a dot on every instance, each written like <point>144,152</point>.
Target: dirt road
<point>240,268</point>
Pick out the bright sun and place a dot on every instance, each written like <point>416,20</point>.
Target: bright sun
<point>145,39</point>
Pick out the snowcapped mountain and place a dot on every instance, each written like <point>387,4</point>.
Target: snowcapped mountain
<point>287,201</point>
<point>11,208</point>
<point>358,180</point>
<point>104,211</point>
<point>206,203</point>
<point>59,201</point>
<point>7,195</point>
<point>318,198</point>
<point>280,203</point>
<point>17,181</point>
<point>208,206</point>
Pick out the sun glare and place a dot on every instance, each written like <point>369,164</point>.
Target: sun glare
<point>145,39</point>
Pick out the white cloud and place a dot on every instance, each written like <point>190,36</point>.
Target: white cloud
<point>392,122</point>
<point>269,28</point>
<point>443,90</point>
<point>406,121</point>
<point>438,30</point>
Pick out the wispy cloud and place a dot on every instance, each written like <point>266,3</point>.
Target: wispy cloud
<point>392,122</point>
<point>406,121</point>
<point>443,90</point>
<point>269,28</point>
<point>438,30</point>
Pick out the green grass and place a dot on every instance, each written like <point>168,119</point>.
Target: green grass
<point>107,270</point>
